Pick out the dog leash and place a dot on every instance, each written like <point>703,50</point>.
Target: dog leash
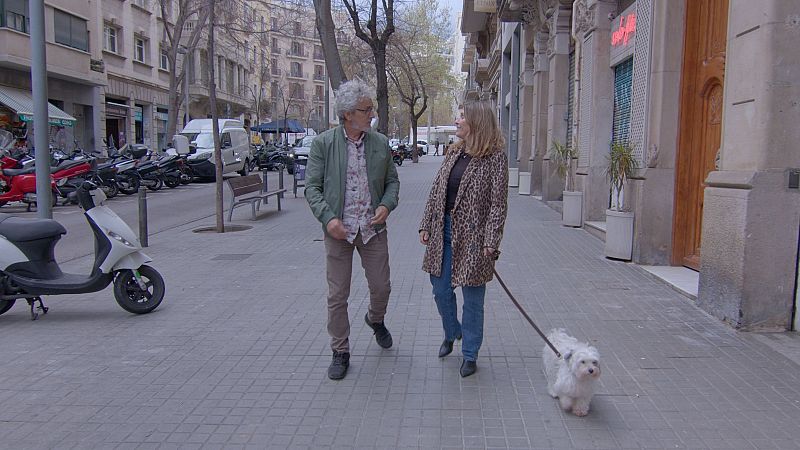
<point>522,310</point>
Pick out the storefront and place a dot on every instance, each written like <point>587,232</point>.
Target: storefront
<point>116,122</point>
<point>16,117</point>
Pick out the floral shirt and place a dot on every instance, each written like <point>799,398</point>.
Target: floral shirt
<point>357,200</point>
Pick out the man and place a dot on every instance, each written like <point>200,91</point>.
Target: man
<point>351,187</point>
<point>436,146</point>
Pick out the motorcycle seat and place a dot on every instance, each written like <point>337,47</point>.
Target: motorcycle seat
<point>18,229</point>
<point>66,164</point>
<point>15,172</point>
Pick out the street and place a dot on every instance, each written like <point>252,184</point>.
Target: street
<point>236,356</point>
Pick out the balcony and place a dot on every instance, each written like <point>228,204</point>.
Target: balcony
<point>510,10</point>
<point>275,50</point>
<point>297,75</point>
<point>319,98</point>
<point>481,69</point>
<point>296,54</point>
<point>319,56</point>
<point>298,96</point>
<point>275,72</point>
<point>319,77</point>
<point>466,60</point>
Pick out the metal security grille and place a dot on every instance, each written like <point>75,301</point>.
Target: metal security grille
<point>585,120</point>
<point>641,79</point>
<point>570,98</point>
<point>623,84</point>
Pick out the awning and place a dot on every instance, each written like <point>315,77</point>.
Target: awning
<point>280,126</point>
<point>21,103</point>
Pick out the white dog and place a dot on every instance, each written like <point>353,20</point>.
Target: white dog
<point>571,379</point>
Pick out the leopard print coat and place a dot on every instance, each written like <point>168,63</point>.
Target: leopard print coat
<point>478,217</point>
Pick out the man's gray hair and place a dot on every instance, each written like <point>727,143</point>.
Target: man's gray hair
<point>349,94</point>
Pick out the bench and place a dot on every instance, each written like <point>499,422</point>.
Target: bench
<point>252,184</point>
<point>299,175</point>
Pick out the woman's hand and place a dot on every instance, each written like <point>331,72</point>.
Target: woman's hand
<point>423,237</point>
<point>489,252</point>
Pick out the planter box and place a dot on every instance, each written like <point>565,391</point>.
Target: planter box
<point>572,209</point>
<point>619,234</point>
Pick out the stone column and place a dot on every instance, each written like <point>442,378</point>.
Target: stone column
<point>513,108</point>
<point>752,208</point>
<point>526,112</point>
<point>541,66</point>
<point>557,95</point>
<point>597,104</point>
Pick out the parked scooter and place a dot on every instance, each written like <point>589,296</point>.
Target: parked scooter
<point>18,185</point>
<point>397,157</point>
<point>28,268</point>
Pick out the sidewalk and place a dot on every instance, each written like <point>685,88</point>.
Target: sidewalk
<point>237,354</point>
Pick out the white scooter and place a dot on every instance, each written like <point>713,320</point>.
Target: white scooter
<point>28,268</point>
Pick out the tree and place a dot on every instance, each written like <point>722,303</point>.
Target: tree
<point>184,11</point>
<point>327,33</point>
<point>417,67</point>
<point>289,98</point>
<point>380,28</point>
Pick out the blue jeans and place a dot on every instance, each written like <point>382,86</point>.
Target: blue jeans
<point>444,294</point>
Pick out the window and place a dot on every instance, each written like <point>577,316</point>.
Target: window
<point>297,48</point>
<point>298,30</point>
<point>139,49</point>
<point>297,70</point>
<point>273,23</point>
<point>318,93</point>
<point>318,52</point>
<point>141,3</point>
<point>274,90</point>
<point>15,15</point>
<point>623,87</point>
<point>70,30</point>
<point>275,46</point>
<point>274,70</point>
<point>110,39</point>
<point>225,140</point>
<point>163,60</point>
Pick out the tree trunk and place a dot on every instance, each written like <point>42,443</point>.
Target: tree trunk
<point>212,97</point>
<point>414,122</point>
<point>382,87</point>
<point>330,50</point>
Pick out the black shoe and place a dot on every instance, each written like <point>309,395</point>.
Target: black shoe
<point>446,348</point>
<point>382,335</point>
<point>338,368</point>
<point>468,368</point>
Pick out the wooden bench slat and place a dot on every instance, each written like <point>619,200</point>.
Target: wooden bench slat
<point>243,185</point>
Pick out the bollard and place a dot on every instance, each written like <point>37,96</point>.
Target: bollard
<point>280,182</point>
<point>143,216</point>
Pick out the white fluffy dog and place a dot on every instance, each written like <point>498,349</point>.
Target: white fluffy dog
<point>571,379</point>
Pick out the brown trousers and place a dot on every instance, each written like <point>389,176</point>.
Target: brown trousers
<point>339,261</point>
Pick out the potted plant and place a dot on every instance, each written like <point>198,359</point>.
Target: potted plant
<point>619,222</point>
<point>563,155</point>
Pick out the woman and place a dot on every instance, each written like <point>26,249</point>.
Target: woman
<point>463,225</point>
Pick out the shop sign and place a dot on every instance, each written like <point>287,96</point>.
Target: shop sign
<point>137,114</point>
<point>162,116</point>
<point>623,36</point>
<point>51,121</point>
<point>624,31</point>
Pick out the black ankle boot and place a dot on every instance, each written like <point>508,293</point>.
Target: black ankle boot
<point>446,348</point>
<point>468,368</point>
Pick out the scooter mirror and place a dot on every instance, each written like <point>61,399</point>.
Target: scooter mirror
<point>181,144</point>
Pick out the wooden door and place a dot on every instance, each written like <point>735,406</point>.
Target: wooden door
<point>700,126</point>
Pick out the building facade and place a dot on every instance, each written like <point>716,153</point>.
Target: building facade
<point>701,92</point>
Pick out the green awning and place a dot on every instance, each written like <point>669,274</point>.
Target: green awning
<point>21,103</point>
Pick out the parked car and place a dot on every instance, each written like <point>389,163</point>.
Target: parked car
<point>234,144</point>
<point>299,153</point>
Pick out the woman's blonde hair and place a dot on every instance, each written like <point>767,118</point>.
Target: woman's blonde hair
<point>485,137</point>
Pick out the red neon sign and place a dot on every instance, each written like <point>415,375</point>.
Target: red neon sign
<point>626,29</point>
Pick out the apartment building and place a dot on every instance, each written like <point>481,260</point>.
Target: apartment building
<point>298,79</point>
<point>74,68</point>
<point>109,74</point>
<point>134,48</point>
<point>701,90</point>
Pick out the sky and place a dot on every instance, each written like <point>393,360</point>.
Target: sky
<point>455,8</point>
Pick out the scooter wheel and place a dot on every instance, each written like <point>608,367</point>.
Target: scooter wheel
<point>3,203</point>
<point>171,181</point>
<point>131,297</point>
<point>156,186</point>
<point>5,305</point>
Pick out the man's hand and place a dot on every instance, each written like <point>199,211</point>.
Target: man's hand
<point>336,229</point>
<point>423,237</point>
<point>381,213</point>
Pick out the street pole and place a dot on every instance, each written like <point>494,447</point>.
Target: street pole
<point>186,90</point>
<point>44,209</point>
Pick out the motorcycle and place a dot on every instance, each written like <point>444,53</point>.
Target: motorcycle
<point>18,185</point>
<point>397,157</point>
<point>28,268</point>
<point>271,157</point>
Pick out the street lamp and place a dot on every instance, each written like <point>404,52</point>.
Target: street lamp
<point>185,51</point>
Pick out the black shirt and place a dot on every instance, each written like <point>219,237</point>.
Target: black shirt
<point>455,180</point>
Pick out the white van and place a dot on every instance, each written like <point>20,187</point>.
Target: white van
<point>234,143</point>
